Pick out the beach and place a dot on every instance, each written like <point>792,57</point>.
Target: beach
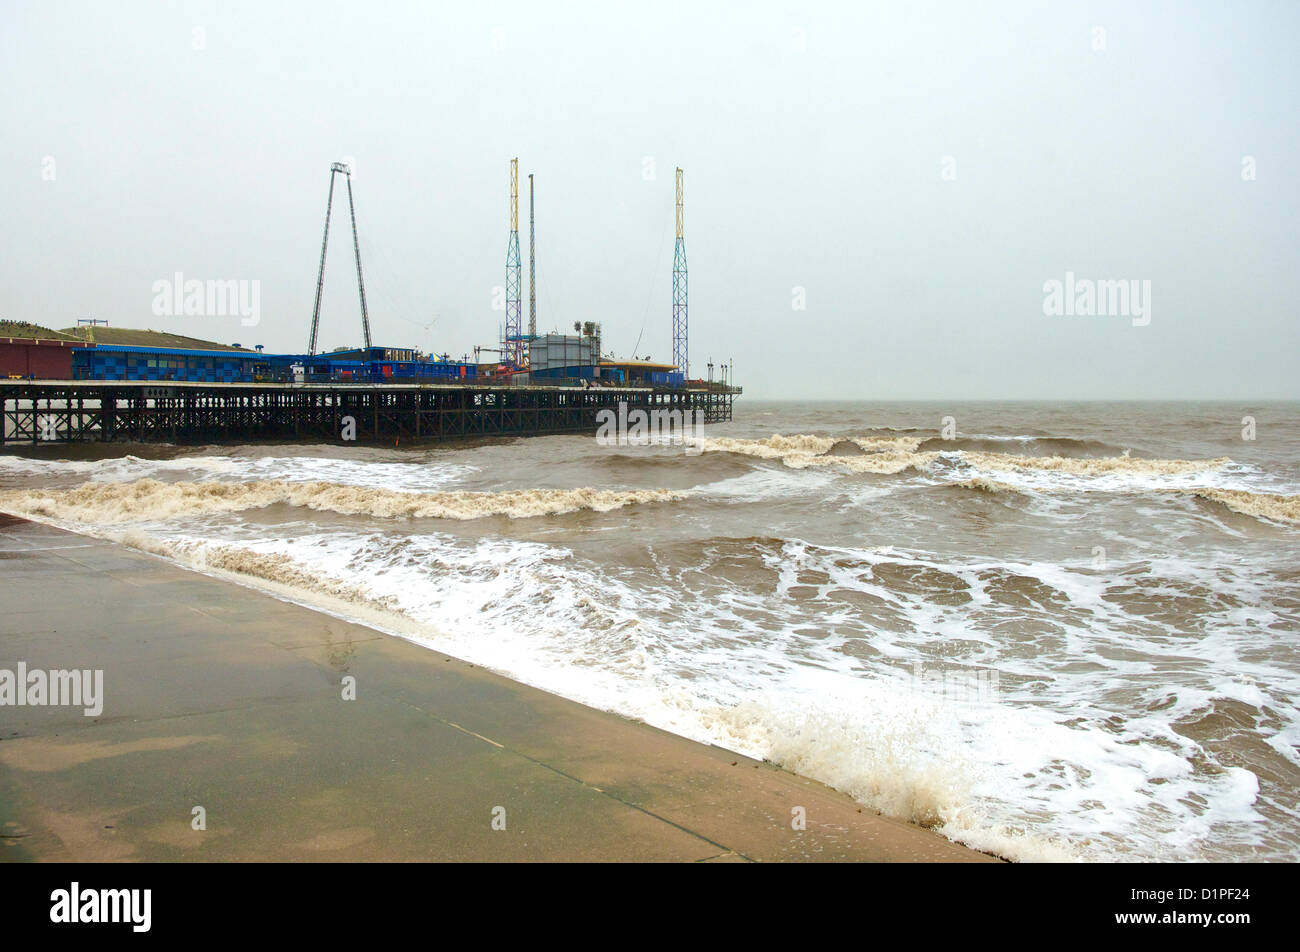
<point>231,701</point>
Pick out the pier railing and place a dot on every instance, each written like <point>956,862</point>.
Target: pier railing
<point>111,411</point>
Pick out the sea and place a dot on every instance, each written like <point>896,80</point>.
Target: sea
<point>1050,631</point>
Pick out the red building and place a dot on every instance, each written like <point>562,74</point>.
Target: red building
<point>44,358</point>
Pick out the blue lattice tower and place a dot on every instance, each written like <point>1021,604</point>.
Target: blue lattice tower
<point>513,346</point>
<point>680,329</point>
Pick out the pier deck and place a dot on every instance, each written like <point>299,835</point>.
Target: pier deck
<point>63,411</point>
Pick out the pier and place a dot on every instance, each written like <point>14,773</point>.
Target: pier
<point>73,411</point>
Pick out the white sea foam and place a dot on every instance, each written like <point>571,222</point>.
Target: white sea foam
<point>765,484</point>
<point>411,477</point>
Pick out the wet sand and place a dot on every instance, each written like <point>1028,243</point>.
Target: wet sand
<point>224,698</point>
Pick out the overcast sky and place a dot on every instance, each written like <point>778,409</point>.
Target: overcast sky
<point>920,171</point>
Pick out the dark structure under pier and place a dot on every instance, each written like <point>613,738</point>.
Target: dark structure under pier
<point>107,411</point>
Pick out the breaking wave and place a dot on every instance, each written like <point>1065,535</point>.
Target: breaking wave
<point>982,484</point>
<point>1089,466</point>
<point>153,499</point>
<point>275,567</point>
<point>1027,445</point>
<point>881,455</point>
<point>1275,507</point>
<point>895,454</point>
